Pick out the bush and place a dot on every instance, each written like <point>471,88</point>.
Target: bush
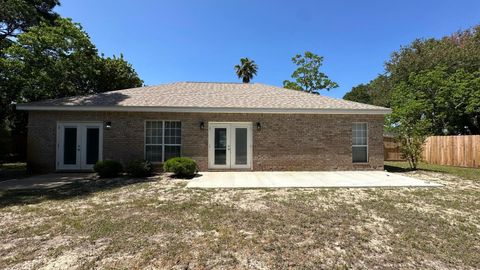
<point>108,168</point>
<point>139,168</point>
<point>181,166</point>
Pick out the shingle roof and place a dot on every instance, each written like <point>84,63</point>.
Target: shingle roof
<point>207,96</point>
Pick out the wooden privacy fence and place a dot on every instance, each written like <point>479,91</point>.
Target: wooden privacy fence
<point>463,151</point>
<point>391,149</point>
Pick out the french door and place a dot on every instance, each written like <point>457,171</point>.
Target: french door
<point>230,145</point>
<point>79,145</point>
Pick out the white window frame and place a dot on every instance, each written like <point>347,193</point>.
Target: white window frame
<point>163,139</point>
<point>360,145</point>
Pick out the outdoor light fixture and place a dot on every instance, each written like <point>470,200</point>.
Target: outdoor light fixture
<point>259,126</point>
<point>202,125</point>
<point>108,125</point>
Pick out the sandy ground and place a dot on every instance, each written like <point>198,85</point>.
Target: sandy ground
<point>160,224</point>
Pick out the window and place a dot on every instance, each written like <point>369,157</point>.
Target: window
<point>163,140</point>
<point>360,143</point>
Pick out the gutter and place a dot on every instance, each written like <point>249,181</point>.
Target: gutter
<point>77,108</point>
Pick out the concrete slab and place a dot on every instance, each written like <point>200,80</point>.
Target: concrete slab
<point>331,179</point>
<point>45,181</point>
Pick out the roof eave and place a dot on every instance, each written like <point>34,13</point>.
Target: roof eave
<point>27,107</point>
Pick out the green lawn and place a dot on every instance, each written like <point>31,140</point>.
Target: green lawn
<point>158,223</point>
<point>13,170</point>
<point>13,166</point>
<point>467,173</point>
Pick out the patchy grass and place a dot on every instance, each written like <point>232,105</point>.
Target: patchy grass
<point>13,166</point>
<point>468,173</point>
<point>12,170</point>
<point>158,223</point>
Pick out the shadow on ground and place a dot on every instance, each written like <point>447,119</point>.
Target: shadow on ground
<point>75,189</point>
<point>395,169</point>
<point>12,174</point>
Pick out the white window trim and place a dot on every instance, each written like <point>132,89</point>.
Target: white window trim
<point>361,145</point>
<point>163,139</point>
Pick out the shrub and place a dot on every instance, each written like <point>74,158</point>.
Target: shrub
<point>108,168</point>
<point>139,168</point>
<point>181,166</point>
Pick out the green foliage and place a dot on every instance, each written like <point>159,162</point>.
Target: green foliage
<point>52,61</point>
<point>18,15</point>
<point>181,166</point>
<point>376,92</point>
<point>448,100</point>
<point>359,93</point>
<point>108,168</point>
<point>116,73</point>
<point>292,85</point>
<point>460,50</point>
<point>308,76</point>
<point>408,121</point>
<point>442,73</point>
<point>139,168</point>
<point>246,70</point>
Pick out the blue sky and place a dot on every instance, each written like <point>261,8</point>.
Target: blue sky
<point>180,40</point>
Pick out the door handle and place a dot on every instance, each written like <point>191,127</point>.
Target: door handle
<point>78,147</point>
<point>228,148</point>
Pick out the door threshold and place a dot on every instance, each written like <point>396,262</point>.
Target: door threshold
<point>74,171</point>
<point>230,170</point>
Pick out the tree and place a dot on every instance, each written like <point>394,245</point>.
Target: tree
<point>17,16</point>
<point>53,61</point>
<point>446,72</point>
<point>116,73</point>
<point>408,123</point>
<point>246,70</point>
<point>359,93</point>
<point>308,76</point>
<point>434,102</point>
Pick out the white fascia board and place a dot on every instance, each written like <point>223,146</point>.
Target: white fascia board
<point>201,109</point>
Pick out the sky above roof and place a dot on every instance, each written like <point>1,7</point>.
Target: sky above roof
<point>180,40</point>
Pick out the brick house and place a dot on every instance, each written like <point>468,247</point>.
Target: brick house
<point>223,126</point>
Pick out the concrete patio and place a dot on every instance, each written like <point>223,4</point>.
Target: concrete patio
<point>337,179</point>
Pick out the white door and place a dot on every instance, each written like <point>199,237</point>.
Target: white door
<point>230,145</point>
<point>79,145</point>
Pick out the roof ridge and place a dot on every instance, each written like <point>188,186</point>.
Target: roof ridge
<point>214,82</point>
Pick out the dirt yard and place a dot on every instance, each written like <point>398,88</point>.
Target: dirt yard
<point>158,223</point>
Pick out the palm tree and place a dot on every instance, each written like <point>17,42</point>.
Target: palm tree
<point>246,70</point>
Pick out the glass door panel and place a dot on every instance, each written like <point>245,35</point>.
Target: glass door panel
<point>220,153</point>
<point>230,145</point>
<point>241,146</point>
<point>92,145</point>
<point>70,146</point>
<point>79,145</point>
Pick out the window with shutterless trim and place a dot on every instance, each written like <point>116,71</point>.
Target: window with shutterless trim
<point>360,143</point>
<point>163,140</point>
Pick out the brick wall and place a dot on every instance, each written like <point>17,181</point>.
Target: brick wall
<point>285,142</point>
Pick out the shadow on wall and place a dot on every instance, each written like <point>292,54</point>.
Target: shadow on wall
<point>78,188</point>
